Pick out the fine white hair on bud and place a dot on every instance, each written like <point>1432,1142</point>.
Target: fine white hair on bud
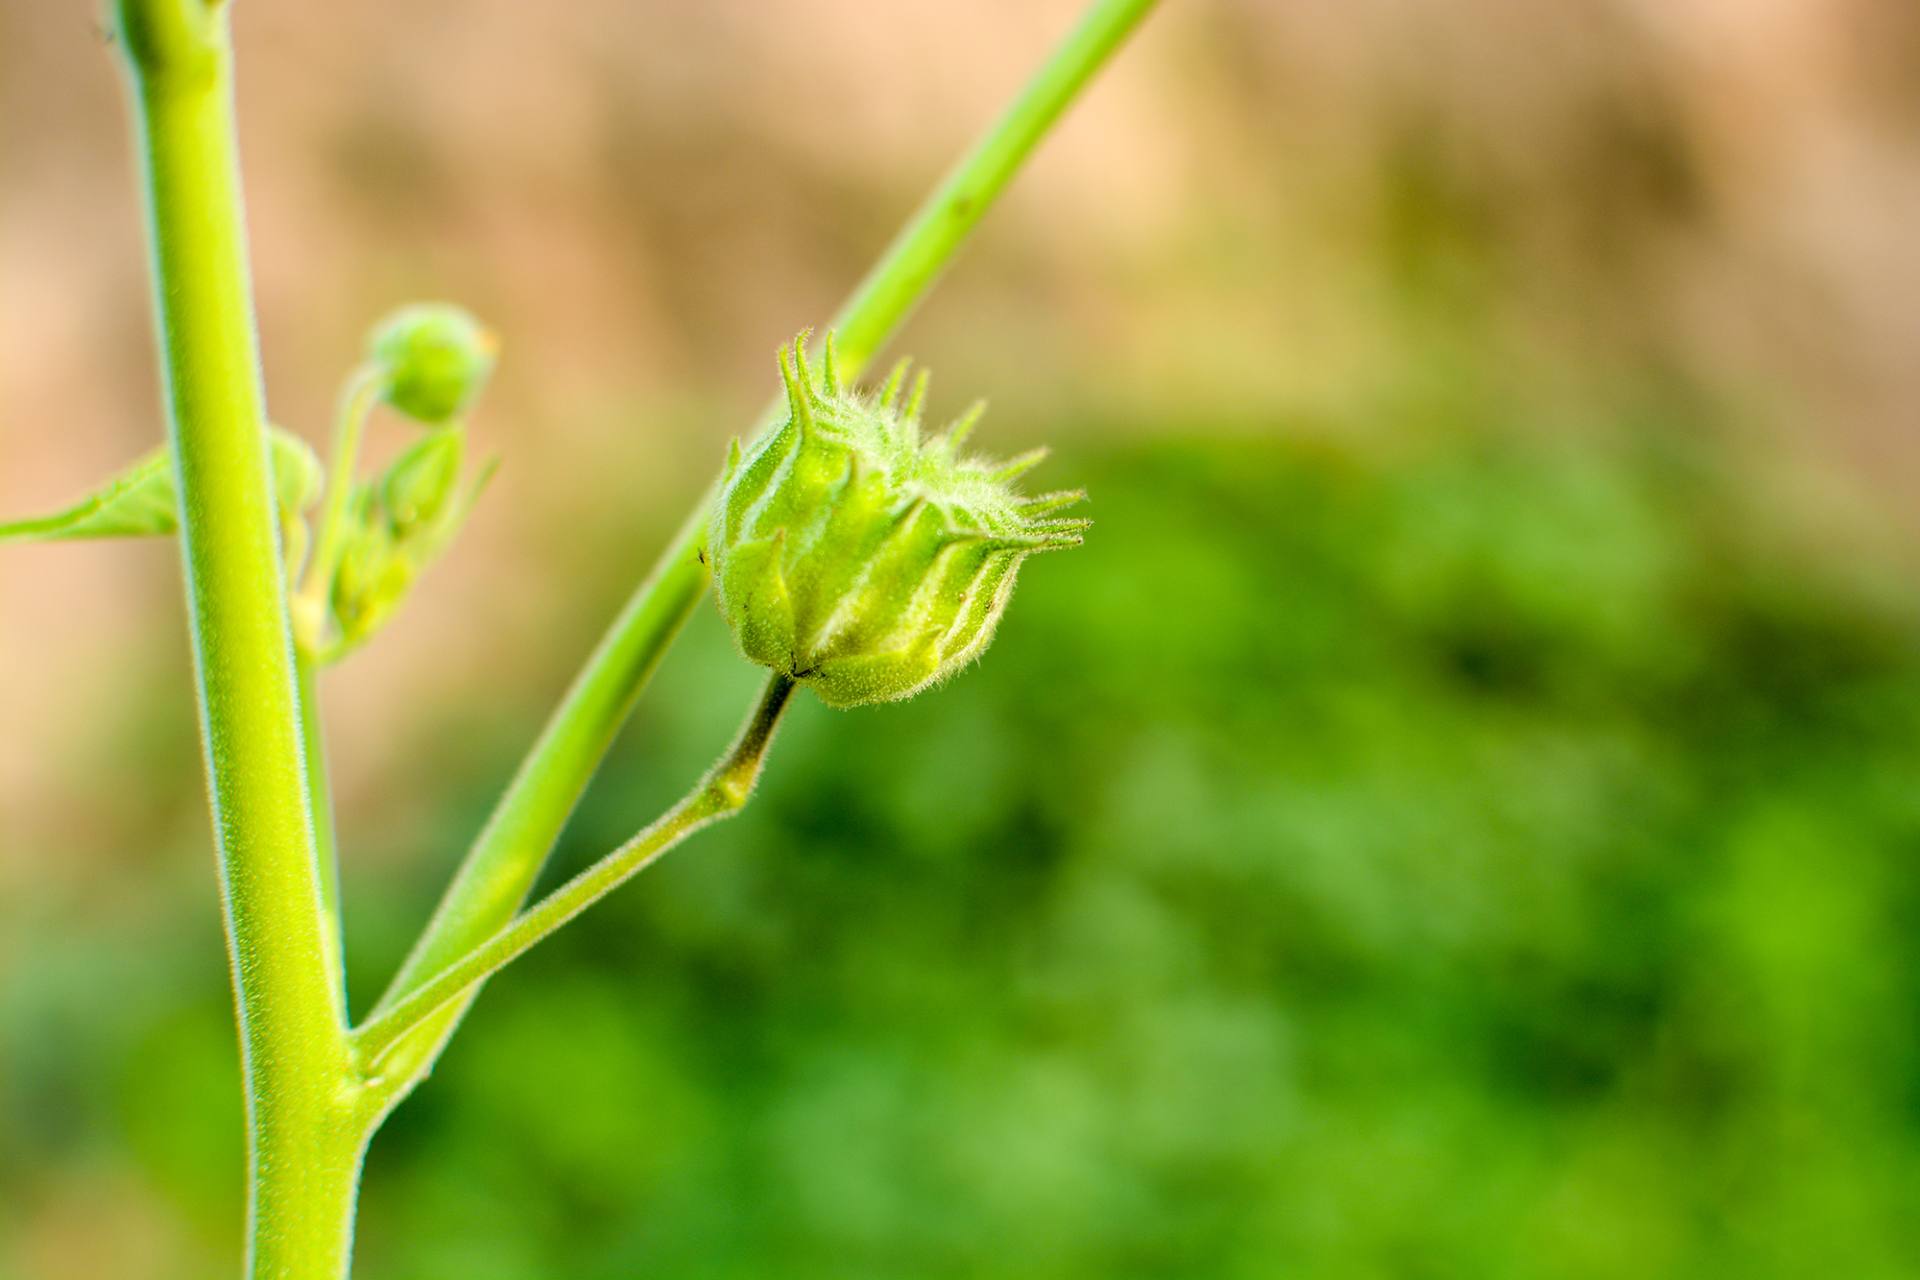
<point>858,556</point>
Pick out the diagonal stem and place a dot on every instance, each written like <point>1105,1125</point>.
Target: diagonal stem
<point>506,859</point>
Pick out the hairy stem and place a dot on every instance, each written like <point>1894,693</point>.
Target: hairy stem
<point>304,1136</point>
<point>926,244</point>
<point>720,794</point>
<point>506,860</point>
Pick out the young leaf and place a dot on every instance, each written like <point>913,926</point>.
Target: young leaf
<point>141,501</point>
<point>137,502</point>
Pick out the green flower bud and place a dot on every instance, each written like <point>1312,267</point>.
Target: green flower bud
<point>421,483</point>
<point>435,356</point>
<point>857,558</point>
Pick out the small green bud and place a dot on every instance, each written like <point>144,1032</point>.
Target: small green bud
<point>374,572</point>
<point>857,558</point>
<point>297,473</point>
<point>421,482</point>
<point>435,356</point>
<point>396,527</point>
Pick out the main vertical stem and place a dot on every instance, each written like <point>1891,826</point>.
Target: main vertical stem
<point>305,1131</point>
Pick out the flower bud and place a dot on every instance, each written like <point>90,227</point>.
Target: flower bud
<point>374,573</point>
<point>859,559</point>
<point>435,356</point>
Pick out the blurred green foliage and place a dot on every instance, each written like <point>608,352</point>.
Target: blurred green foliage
<point>1487,857</point>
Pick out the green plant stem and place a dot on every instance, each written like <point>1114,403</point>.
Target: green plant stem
<point>506,860</point>
<point>926,245</point>
<point>721,793</point>
<point>361,393</point>
<point>494,879</point>
<point>304,1123</point>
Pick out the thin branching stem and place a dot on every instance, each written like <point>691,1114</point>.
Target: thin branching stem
<point>310,1103</point>
<point>357,400</point>
<point>720,794</point>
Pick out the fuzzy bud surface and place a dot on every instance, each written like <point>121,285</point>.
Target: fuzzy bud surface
<point>861,559</point>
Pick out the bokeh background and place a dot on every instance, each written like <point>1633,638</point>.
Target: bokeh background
<point>1457,817</point>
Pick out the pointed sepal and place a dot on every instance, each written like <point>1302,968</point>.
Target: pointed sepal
<point>860,559</point>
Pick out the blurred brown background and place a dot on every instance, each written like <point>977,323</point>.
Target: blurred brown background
<point>646,197</point>
<point>1273,225</point>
